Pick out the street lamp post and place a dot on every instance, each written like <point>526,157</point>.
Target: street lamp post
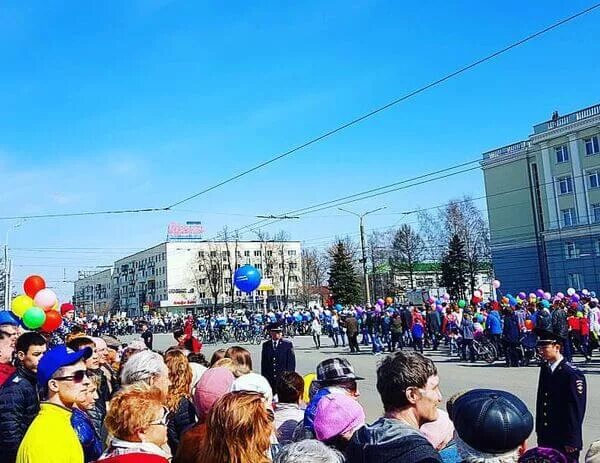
<point>8,267</point>
<point>362,245</point>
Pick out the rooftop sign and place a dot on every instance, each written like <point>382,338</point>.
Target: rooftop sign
<point>189,232</point>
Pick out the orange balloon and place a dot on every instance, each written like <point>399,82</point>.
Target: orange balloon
<point>529,324</point>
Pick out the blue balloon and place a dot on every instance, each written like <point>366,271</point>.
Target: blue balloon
<point>545,304</point>
<point>247,278</point>
<point>338,307</point>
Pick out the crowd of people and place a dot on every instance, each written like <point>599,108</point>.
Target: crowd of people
<point>89,398</point>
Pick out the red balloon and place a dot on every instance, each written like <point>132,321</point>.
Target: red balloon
<point>529,324</point>
<point>53,321</point>
<point>33,284</point>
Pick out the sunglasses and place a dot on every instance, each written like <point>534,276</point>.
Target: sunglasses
<point>164,421</point>
<point>76,377</point>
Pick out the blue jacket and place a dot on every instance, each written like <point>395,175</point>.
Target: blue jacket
<point>467,330</point>
<point>493,323</point>
<point>510,332</point>
<point>91,443</point>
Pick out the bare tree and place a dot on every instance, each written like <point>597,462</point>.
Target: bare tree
<point>209,266</point>
<point>232,256</point>
<point>407,251</point>
<point>285,265</point>
<point>314,273</point>
<point>379,247</point>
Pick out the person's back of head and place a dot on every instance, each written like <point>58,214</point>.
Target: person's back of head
<point>308,451</point>
<point>490,425</point>
<point>142,366</point>
<point>290,387</point>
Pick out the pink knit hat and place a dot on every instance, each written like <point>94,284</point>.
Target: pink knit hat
<point>214,383</point>
<point>336,414</point>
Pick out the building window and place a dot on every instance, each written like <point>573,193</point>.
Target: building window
<point>565,185</point>
<point>213,253</point>
<point>596,212</point>
<point>570,250</point>
<point>227,281</point>
<point>202,281</point>
<point>246,253</point>
<point>562,154</point>
<point>293,265</point>
<point>292,252</point>
<point>269,253</point>
<point>258,266</point>
<point>594,179</point>
<point>597,247</point>
<point>591,145</point>
<point>569,218</point>
<point>256,253</point>
<point>201,254</point>
<point>575,280</point>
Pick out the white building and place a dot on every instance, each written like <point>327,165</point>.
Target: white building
<point>182,275</point>
<point>93,292</point>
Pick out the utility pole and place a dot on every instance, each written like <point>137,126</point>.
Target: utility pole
<point>362,245</point>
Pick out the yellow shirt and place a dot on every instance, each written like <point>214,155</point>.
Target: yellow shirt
<point>50,438</point>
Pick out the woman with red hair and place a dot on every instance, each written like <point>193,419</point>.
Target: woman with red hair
<point>238,430</point>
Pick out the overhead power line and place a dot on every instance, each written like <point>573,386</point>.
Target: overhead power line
<point>375,111</point>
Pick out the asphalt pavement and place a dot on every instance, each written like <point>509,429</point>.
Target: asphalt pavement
<point>455,376</point>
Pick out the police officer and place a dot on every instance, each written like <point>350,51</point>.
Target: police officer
<point>277,355</point>
<point>561,400</point>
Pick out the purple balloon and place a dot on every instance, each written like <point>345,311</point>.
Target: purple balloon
<point>522,296</point>
<point>547,296</point>
<point>560,295</point>
<point>378,309</point>
<point>575,297</point>
<point>532,296</point>
<point>539,293</point>
<point>380,301</point>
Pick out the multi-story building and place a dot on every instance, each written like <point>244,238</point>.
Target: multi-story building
<point>93,292</point>
<point>543,200</point>
<point>181,275</point>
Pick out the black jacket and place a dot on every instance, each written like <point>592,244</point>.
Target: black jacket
<point>560,325</point>
<point>561,401</point>
<point>180,421</point>
<point>390,441</point>
<point>274,362</point>
<point>19,404</point>
<point>98,412</point>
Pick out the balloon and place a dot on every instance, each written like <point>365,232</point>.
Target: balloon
<point>33,318</point>
<point>496,284</point>
<point>20,304</point>
<point>446,297</point>
<point>53,321</point>
<point>56,307</point>
<point>545,304</point>
<point>571,291</point>
<point>45,298</point>
<point>532,296</point>
<point>560,295</point>
<point>547,296</point>
<point>378,309</point>
<point>339,307</point>
<point>380,302</point>
<point>585,292</point>
<point>247,278</point>
<point>462,303</point>
<point>504,300</point>
<point>540,293</point>
<point>529,324</point>
<point>477,294</point>
<point>431,300</point>
<point>522,295</point>
<point>33,284</point>
<point>575,298</point>
<point>389,300</point>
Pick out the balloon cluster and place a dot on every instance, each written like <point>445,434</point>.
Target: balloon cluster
<point>38,307</point>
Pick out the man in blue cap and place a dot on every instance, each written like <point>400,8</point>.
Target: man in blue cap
<point>62,376</point>
<point>9,332</point>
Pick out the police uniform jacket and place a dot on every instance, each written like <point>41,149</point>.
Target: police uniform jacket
<point>561,400</point>
<point>276,361</point>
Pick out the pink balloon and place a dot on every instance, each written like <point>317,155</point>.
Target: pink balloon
<point>496,284</point>
<point>560,295</point>
<point>477,294</point>
<point>45,298</point>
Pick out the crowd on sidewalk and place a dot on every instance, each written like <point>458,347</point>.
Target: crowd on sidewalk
<point>92,400</point>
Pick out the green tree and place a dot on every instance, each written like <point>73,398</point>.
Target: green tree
<point>455,268</point>
<point>344,283</point>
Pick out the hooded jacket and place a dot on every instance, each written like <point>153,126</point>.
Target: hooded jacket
<point>19,405</point>
<point>390,441</point>
<point>493,323</point>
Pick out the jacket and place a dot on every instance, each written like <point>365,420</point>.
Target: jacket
<point>19,405</point>
<point>493,323</point>
<point>98,412</point>
<point>560,327</point>
<point>467,330</point>
<point>351,326</point>
<point>120,451</point>
<point>561,402</point>
<point>50,438</point>
<point>287,417</point>
<point>180,420</point>
<point>510,331</point>
<point>274,362</point>
<point>434,321</point>
<point>390,441</point>
<point>91,443</point>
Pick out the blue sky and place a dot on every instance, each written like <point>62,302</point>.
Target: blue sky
<point>138,104</point>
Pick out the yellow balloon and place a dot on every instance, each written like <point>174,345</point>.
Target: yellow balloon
<point>20,304</point>
<point>56,307</point>
<point>308,379</point>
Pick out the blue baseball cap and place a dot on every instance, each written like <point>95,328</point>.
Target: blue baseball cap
<point>60,356</point>
<point>7,318</point>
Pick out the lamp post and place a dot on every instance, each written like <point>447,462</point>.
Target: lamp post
<point>362,246</point>
<point>8,266</point>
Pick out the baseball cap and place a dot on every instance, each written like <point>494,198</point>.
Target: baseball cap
<point>336,414</point>
<point>60,356</point>
<point>491,421</point>
<point>7,318</point>
<point>335,369</point>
